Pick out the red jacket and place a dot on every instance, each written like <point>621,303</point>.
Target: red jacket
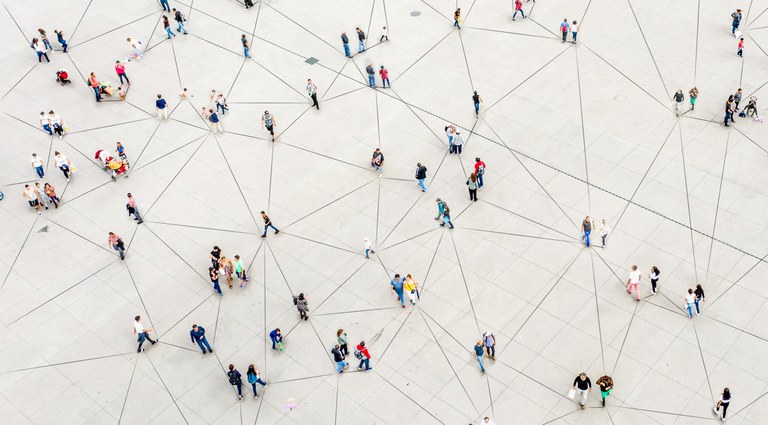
<point>477,166</point>
<point>384,73</point>
<point>363,350</point>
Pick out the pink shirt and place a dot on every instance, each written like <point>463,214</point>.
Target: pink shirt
<point>120,69</point>
<point>113,239</point>
<point>131,202</point>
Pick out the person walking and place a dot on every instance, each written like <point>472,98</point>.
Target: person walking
<point>365,356</point>
<point>167,27</point>
<point>240,271</point>
<point>57,123</point>
<point>384,74</point>
<point>361,39</point>
<point>679,98</point>
<point>45,200</point>
<point>736,16</point>
<point>605,383</point>
<point>221,104</point>
<point>165,5</point>
<point>44,39</point>
<point>226,265</point>
<point>458,143</point>
<point>440,208</point>
<point>489,340</point>
<point>268,224</point>
<point>457,18</point>
<point>95,86</point>
<point>371,75</point>
<point>312,92</point>
<point>60,38</point>
<point>384,34</point>
<point>518,8</point>
<point>213,118</point>
<point>472,186</point>
<point>582,385</point>
<point>268,121</point>
<point>213,272</point>
<point>215,256</point>
<point>633,282</point>
<point>136,46</point>
<point>254,377</point>
<point>40,49</point>
<point>586,229</point>
<point>737,99</point>
<point>450,131</point>
<point>654,276</point>
<point>740,48</point>
<point>45,122</point>
<point>604,231</point>
<point>236,379</point>
<point>142,334</point>
<point>574,31</point>
<point>698,294</point>
<point>120,70</point>
<point>368,247</point>
<point>411,288</point>
<point>63,164</point>
<point>37,165</point>
<point>377,161</point>
<point>693,94</point>
<point>33,198</point>
<point>728,111</point>
<point>133,210</point>
<point>116,243</point>
<point>421,175</point>
<point>396,284</point>
<point>339,357</point>
<point>246,46</point>
<point>248,4</point>
<point>724,402</point>
<point>564,28</point>
<point>476,99</point>
<point>345,43</point>
<point>341,338</point>
<point>50,192</point>
<point>162,107</point>
<point>302,304</point>
<point>479,171</point>
<point>446,217</point>
<point>277,339</point>
<point>690,300</point>
<point>479,351</point>
<point>179,18</point>
<point>197,334</point>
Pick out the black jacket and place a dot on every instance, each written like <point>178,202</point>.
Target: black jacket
<point>361,35</point>
<point>421,173</point>
<point>344,39</point>
<point>337,356</point>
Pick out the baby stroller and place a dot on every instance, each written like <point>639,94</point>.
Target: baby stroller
<point>110,164</point>
<point>62,77</point>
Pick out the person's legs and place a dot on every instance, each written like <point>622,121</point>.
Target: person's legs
<point>339,366</point>
<point>653,286</point>
<point>458,149</point>
<point>200,344</point>
<point>584,394</point>
<point>141,341</point>
<point>477,108</point>
<point>137,216</point>
<point>603,238</point>
<point>565,35</point>
<point>725,409</point>
<point>98,95</point>
<point>637,291</point>
<point>586,237</point>
<point>421,184</point>
<point>205,341</point>
<point>274,340</point>
<point>690,311</point>
<point>255,394</point>
<point>239,389</point>
<point>216,286</point>
<point>367,364</point>
<point>64,169</point>
<point>361,47</point>
<point>480,362</point>
<point>247,52</point>
<point>371,80</point>
<point>47,128</point>
<point>261,381</point>
<point>479,180</point>
<point>574,36</point>
<point>401,296</point>
<point>346,50</point>
<point>40,171</point>
<point>696,303</point>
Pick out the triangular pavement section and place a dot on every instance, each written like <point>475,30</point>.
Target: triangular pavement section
<point>100,23</point>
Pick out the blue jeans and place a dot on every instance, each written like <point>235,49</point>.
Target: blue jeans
<point>340,366</point>
<point>64,44</point>
<point>366,252</point>
<point>477,108</point>
<point>202,342</point>
<point>421,184</point>
<point>169,32</point>
<point>400,294</point>
<point>361,47</point>
<point>696,302</point>
<point>181,27</point>
<point>268,226</point>
<point>456,23</point>
<point>480,180</point>
<point>371,80</point>
<point>47,44</point>
<point>164,3</point>
<point>366,362</point>
<point>734,28</point>
<point>223,108</point>
<point>480,361</point>
<point>253,384</point>
<point>727,117</point>
<point>120,250</point>
<point>47,128</point>
<point>518,10</point>
<point>690,310</point>
<point>346,50</point>
<point>586,236</point>
<point>40,56</point>
<point>40,171</point>
<point>247,52</point>
<point>216,286</point>
<point>121,76</point>
<point>98,94</point>
<point>274,341</point>
<point>574,36</point>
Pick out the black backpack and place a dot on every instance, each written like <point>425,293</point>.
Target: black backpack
<point>295,300</point>
<point>232,377</point>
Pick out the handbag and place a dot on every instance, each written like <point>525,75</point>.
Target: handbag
<point>571,393</point>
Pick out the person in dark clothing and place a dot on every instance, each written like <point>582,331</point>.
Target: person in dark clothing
<point>586,229</point>
<point>277,338</point>
<point>268,224</point>
<point>371,75</point>
<point>736,21</point>
<point>215,255</point>
<point>421,175</point>
<point>179,18</point>
<point>345,41</point>
<point>699,294</point>
<point>728,111</point>
<point>725,400</point>
<point>338,357</point>
<point>197,334</point>
<point>476,99</point>
<point>302,304</point>
<point>605,383</point>
<point>361,38</point>
<point>583,385</point>
<point>236,379</point>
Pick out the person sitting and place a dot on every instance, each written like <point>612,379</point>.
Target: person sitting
<point>62,77</point>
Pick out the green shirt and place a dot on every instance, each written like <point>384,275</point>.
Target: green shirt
<point>239,266</point>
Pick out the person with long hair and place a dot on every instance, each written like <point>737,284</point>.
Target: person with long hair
<point>472,186</point>
<point>341,337</point>
<point>654,276</point>
<point>254,377</point>
<point>698,293</point>
<point>725,400</point>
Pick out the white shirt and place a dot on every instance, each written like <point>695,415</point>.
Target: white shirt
<point>30,194</point>
<point>653,275</point>
<point>61,160</point>
<point>39,46</point>
<point>385,32</point>
<point>43,119</point>
<point>36,161</point>
<point>55,119</point>
<point>604,229</point>
<point>138,326</point>
<point>368,244</point>
<point>457,139</point>
<point>690,298</point>
<point>634,277</point>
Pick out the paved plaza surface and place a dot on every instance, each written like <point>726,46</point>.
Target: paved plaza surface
<point>566,130</point>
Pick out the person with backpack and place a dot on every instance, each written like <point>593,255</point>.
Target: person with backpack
<point>564,28</point>
<point>236,379</point>
<point>396,285</point>
<point>302,304</point>
<point>446,217</point>
<point>277,339</point>
<point>421,175</point>
<point>479,171</point>
<point>179,18</point>
<point>361,352</point>
<point>441,206</point>
<point>254,377</point>
<point>338,357</point>
<point>679,99</point>
<point>197,334</point>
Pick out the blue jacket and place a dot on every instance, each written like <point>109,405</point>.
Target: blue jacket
<point>160,103</point>
<point>274,335</point>
<point>397,285</point>
<point>479,350</point>
<point>213,118</point>
<point>196,335</point>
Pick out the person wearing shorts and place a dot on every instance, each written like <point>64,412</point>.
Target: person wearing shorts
<point>268,121</point>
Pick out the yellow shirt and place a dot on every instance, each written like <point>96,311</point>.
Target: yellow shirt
<point>409,285</point>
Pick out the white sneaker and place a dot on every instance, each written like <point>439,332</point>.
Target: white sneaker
<point>653,293</point>
<point>698,314</point>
